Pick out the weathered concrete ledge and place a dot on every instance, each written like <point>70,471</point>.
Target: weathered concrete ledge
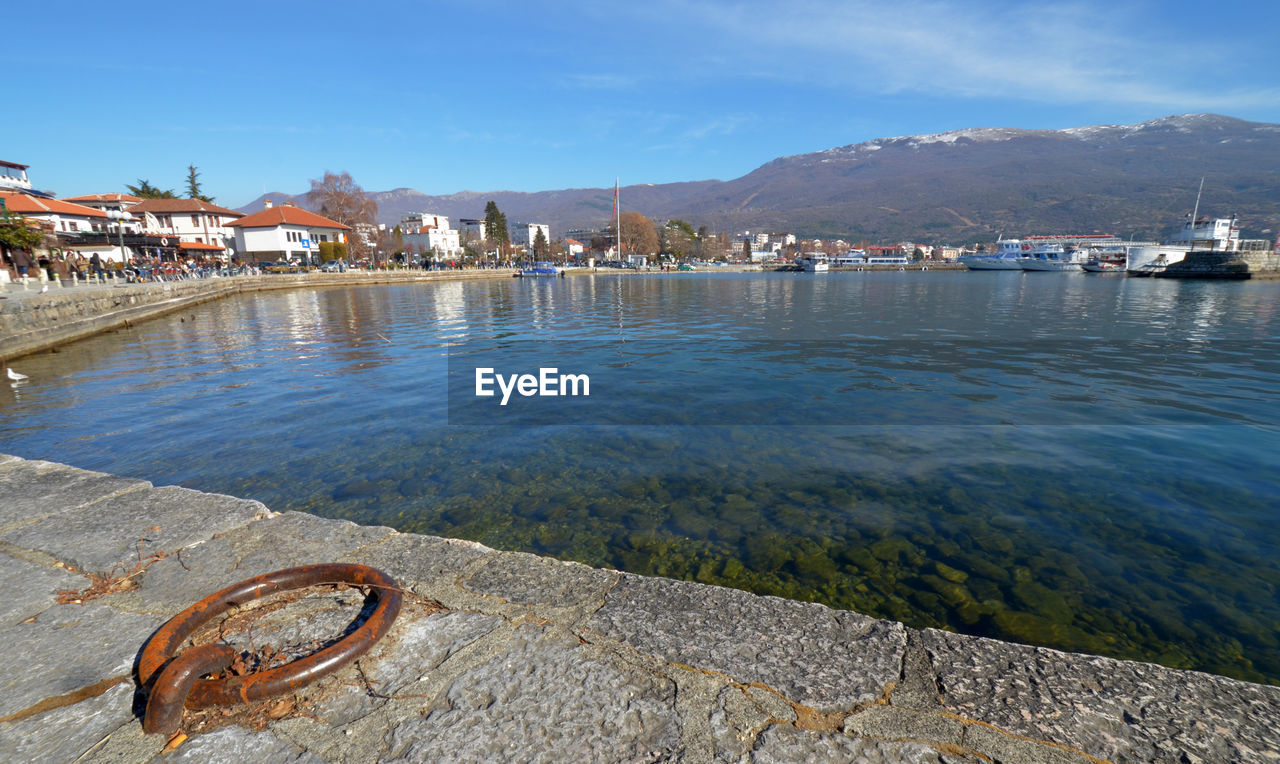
<point>501,656</point>
<point>33,321</point>
<point>1263,264</point>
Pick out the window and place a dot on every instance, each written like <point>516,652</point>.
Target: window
<point>195,221</point>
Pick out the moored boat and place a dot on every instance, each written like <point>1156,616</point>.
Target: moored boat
<point>814,262</point>
<point>541,268</point>
<point>1007,258</point>
<point>1052,257</point>
<point>1198,234</point>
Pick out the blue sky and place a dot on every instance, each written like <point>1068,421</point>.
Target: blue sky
<point>491,95</point>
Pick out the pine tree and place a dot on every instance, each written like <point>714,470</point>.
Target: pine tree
<point>145,190</point>
<point>193,185</point>
<point>495,225</point>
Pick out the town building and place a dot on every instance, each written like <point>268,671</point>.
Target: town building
<point>116,207</point>
<point>284,232</point>
<point>430,233</point>
<point>188,221</point>
<point>574,248</point>
<point>472,229</point>
<point>525,234</point>
<point>13,177</point>
<point>66,220</point>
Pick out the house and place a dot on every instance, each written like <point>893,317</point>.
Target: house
<point>188,220</point>
<point>284,232</point>
<point>427,232</point>
<point>574,247</point>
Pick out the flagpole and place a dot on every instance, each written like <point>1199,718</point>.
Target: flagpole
<point>617,217</point>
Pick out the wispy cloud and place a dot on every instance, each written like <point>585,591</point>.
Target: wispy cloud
<point>1075,52</point>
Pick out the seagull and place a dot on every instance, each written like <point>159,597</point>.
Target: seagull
<point>13,375</point>
<point>44,289</point>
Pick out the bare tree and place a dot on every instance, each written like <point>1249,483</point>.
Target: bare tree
<point>340,198</point>
<point>639,236</point>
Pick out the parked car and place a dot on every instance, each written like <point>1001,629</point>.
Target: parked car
<point>334,266</point>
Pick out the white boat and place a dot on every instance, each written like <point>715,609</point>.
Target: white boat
<point>1201,235</point>
<point>1007,258</point>
<point>1052,257</point>
<point>1198,234</point>
<point>814,262</point>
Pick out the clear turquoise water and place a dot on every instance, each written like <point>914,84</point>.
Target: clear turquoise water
<point>1080,462</point>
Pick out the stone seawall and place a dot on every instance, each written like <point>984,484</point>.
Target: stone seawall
<point>31,321</point>
<point>1225,265</point>
<point>509,656</point>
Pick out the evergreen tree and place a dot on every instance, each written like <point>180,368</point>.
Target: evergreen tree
<point>193,185</point>
<point>145,190</point>
<point>495,225</point>
<point>541,247</point>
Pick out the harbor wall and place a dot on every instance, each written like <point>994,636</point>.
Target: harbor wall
<point>510,656</point>
<point>1225,265</point>
<point>32,321</point>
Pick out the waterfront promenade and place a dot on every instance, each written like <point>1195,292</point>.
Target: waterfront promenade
<point>510,656</point>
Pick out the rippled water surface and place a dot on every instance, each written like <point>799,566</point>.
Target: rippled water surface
<point>1082,462</point>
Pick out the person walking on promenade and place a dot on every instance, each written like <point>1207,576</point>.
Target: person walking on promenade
<point>95,262</point>
<point>23,261</point>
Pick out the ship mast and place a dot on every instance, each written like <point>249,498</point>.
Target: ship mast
<point>1191,235</point>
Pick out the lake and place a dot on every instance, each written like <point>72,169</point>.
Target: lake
<point>1077,461</point>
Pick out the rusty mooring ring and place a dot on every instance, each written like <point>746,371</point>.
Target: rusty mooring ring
<point>177,683</point>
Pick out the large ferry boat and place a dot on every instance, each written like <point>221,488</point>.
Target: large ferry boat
<point>1198,234</point>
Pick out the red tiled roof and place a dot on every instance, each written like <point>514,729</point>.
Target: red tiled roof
<point>24,204</point>
<point>286,215</point>
<point>103,198</point>
<point>198,245</point>
<point>167,206</point>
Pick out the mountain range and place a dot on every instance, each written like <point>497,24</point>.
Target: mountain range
<point>956,187</point>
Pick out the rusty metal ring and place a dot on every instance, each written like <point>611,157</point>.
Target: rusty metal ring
<point>175,685</point>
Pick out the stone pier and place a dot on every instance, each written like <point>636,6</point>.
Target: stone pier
<point>509,656</point>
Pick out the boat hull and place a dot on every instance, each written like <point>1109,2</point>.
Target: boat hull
<point>1148,261</point>
<point>991,263</point>
<point>1052,266</point>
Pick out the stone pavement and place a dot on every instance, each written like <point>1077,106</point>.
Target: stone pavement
<point>508,656</point>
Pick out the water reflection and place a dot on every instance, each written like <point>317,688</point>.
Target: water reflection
<point>1153,542</point>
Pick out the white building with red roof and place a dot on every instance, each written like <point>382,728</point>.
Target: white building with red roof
<point>284,232</point>
<point>188,221</point>
<point>55,215</point>
<point>116,206</point>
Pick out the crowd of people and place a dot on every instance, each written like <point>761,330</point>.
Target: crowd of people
<point>72,266</point>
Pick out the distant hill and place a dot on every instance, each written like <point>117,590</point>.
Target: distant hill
<point>960,186</point>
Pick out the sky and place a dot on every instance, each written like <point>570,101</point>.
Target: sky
<point>488,95</point>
